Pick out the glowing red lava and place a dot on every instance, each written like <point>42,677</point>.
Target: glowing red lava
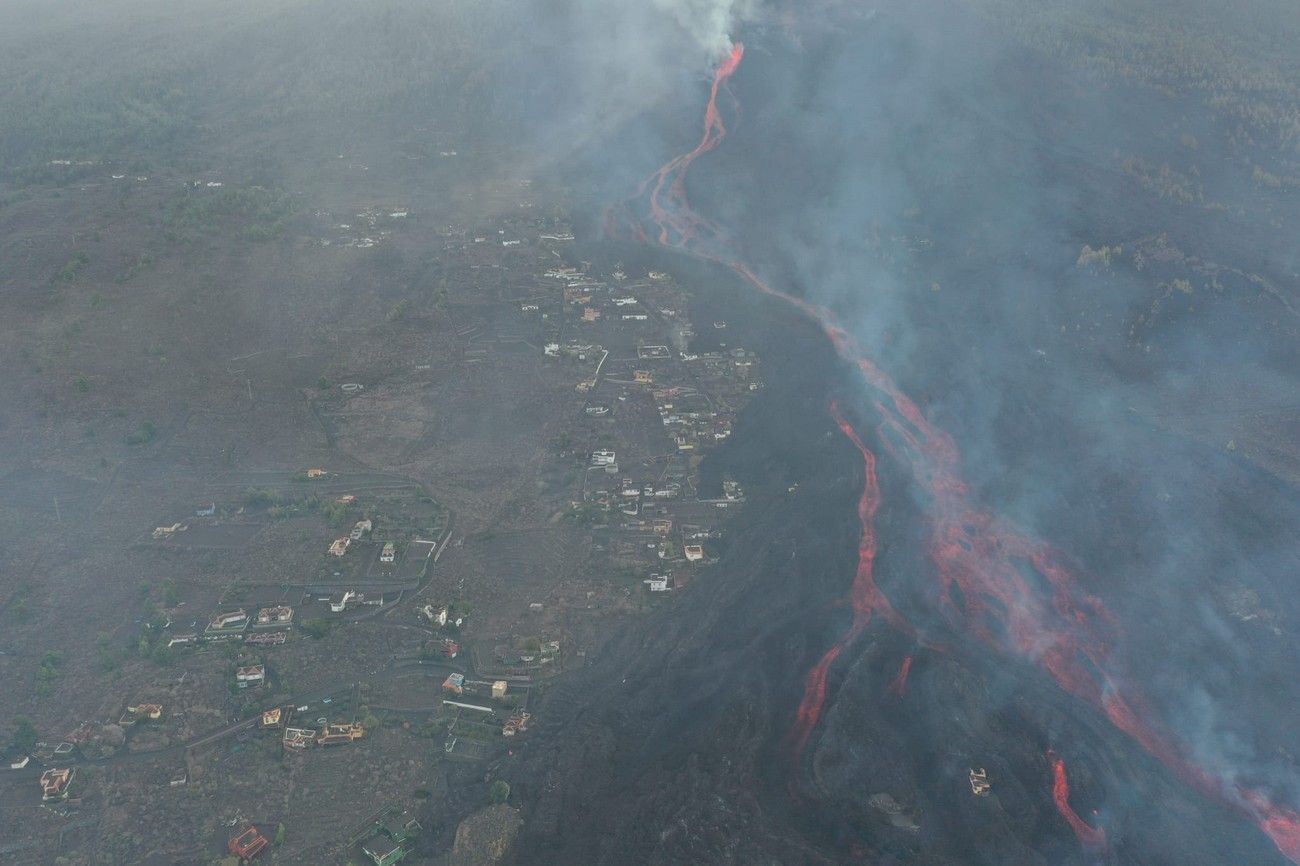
<point>865,598</point>
<point>1013,592</point>
<point>1089,836</point>
<point>899,686</point>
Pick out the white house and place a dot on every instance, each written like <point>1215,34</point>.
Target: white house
<point>253,675</point>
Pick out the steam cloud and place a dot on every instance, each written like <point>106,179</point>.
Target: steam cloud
<point>709,22</point>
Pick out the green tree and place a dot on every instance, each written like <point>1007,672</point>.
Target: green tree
<point>499,791</point>
<point>146,434</point>
<point>25,737</point>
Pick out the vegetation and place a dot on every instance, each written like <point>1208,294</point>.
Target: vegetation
<point>145,434</point>
<point>49,672</point>
<point>69,272</point>
<point>281,505</point>
<point>585,514</point>
<point>24,736</point>
<point>256,213</point>
<point>1237,63</point>
<point>499,791</point>
<point>315,628</point>
<point>107,657</point>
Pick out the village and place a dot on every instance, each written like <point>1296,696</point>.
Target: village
<point>350,606</point>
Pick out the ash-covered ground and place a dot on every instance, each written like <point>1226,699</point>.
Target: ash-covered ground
<point>1092,648</point>
<point>1013,580</point>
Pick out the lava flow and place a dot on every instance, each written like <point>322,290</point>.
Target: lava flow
<point>865,598</point>
<point>1014,593</point>
<point>1089,836</point>
<point>899,686</point>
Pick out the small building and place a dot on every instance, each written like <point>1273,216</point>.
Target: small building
<point>361,529</point>
<point>182,639</point>
<point>273,717</point>
<point>389,553</point>
<point>316,473</point>
<point>248,844</point>
<point>590,314</point>
<point>516,724</point>
<point>389,838</point>
<point>603,458</point>
<point>140,712</point>
<point>334,735</point>
<point>694,552</point>
<point>209,511</point>
<point>279,615</point>
<point>339,603</point>
<point>346,499</point>
<point>383,850</point>
<point>657,583</point>
<point>642,377</point>
<point>298,739</point>
<point>435,614</point>
<point>274,638</point>
<point>499,689</point>
<point>148,711</point>
<point>250,675</point>
<point>455,683</point>
<point>229,621</point>
<point>55,782</point>
<point>339,546</point>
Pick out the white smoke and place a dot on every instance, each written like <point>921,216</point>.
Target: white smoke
<point>709,22</point>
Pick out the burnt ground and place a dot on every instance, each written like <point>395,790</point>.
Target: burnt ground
<point>1093,407</point>
<point>674,747</point>
<point>171,345</point>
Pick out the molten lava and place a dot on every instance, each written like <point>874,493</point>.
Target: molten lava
<point>899,686</point>
<point>1013,592</point>
<point>865,598</point>
<point>1089,836</point>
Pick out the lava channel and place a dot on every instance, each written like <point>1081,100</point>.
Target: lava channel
<point>1090,837</point>
<point>1004,578</point>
